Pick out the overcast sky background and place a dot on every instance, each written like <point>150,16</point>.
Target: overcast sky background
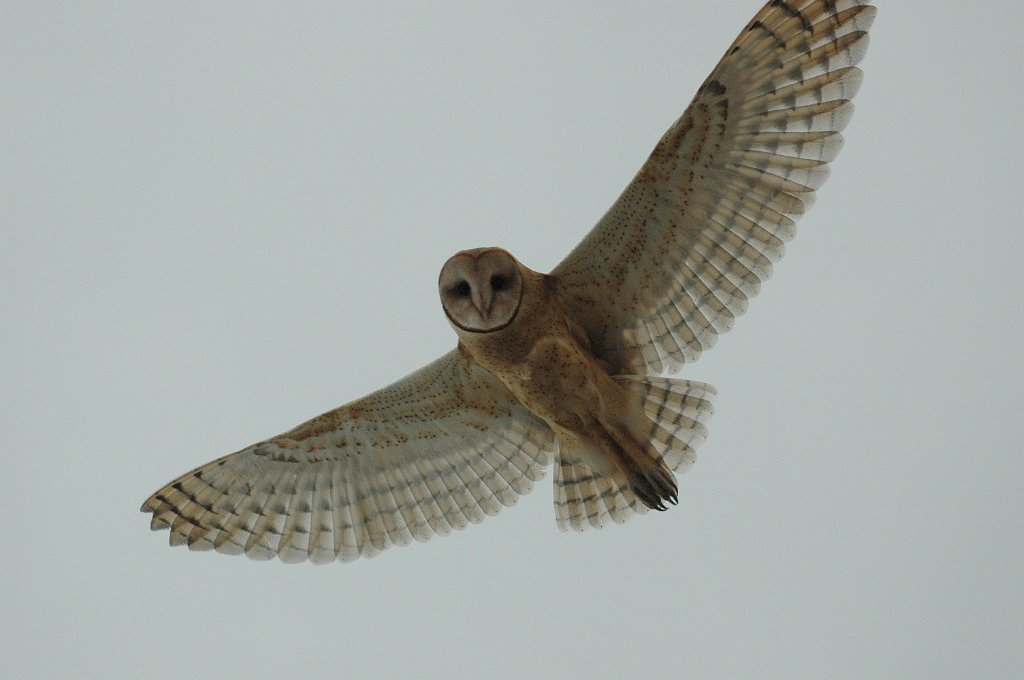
<point>220,219</point>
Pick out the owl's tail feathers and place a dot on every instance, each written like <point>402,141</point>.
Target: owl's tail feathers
<point>677,412</point>
<point>670,427</point>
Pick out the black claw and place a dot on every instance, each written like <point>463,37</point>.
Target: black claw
<point>641,487</point>
<point>655,487</point>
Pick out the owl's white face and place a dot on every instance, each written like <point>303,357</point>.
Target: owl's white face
<point>481,289</point>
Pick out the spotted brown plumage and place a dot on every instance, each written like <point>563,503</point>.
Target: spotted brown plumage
<point>563,366</point>
<point>691,239</point>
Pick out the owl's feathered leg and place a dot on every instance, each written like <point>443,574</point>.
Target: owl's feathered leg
<point>649,445</point>
<point>648,476</point>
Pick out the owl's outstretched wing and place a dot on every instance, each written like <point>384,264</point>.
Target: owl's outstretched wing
<point>688,243</point>
<point>437,450</point>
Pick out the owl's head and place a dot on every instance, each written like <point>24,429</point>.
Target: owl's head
<point>481,289</point>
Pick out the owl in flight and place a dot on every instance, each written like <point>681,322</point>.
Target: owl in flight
<point>564,366</point>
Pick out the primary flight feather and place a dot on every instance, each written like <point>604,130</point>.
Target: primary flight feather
<point>562,366</point>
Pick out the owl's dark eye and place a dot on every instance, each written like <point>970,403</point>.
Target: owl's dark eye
<point>461,289</point>
<point>497,282</point>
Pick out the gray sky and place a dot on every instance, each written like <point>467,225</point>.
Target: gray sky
<point>220,219</point>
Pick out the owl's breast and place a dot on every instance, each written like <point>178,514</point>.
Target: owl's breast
<point>561,383</point>
<point>547,363</point>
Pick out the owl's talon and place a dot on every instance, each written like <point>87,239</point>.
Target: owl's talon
<point>654,488</point>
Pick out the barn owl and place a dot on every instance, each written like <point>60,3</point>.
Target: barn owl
<point>565,367</point>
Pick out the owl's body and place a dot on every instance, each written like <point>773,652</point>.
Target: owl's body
<point>564,366</point>
<point>545,360</point>
<point>540,360</point>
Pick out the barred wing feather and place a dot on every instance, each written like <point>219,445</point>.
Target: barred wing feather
<point>686,246</point>
<point>436,451</point>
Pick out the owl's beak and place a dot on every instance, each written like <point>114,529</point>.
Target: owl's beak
<point>482,302</point>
